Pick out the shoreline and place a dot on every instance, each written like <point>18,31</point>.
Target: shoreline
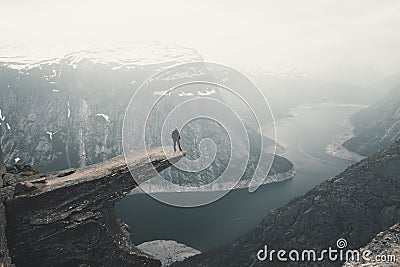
<point>336,149</point>
<point>148,187</point>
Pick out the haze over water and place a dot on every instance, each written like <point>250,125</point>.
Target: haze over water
<point>218,223</point>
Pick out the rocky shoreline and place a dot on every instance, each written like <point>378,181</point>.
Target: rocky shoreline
<point>336,148</point>
<point>149,187</point>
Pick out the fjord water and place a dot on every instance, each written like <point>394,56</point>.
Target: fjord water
<point>305,136</point>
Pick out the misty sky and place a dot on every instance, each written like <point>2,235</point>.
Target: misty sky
<point>337,39</point>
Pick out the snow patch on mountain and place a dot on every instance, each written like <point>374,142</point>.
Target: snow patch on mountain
<point>23,58</point>
<point>163,92</point>
<point>207,92</point>
<point>185,94</point>
<point>104,116</point>
<point>2,118</point>
<point>51,134</point>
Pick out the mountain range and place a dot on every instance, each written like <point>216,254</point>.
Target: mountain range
<point>68,111</point>
<point>355,205</point>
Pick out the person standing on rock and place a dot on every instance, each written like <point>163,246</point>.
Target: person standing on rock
<point>176,138</point>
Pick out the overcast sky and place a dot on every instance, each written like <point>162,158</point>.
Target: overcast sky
<point>326,38</point>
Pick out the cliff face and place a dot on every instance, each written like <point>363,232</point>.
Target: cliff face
<point>3,168</point>
<point>355,205</point>
<point>68,111</point>
<point>67,218</point>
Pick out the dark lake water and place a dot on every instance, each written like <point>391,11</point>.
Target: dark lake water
<point>305,137</point>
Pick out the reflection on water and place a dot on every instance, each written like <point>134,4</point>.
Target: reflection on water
<point>305,137</point>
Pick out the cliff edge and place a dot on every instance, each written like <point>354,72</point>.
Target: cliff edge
<point>67,218</point>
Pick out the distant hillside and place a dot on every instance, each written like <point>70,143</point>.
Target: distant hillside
<point>376,126</point>
<point>288,90</point>
<point>355,205</point>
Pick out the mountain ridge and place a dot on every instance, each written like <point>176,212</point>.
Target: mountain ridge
<point>355,205</point>
<point>376,126</point>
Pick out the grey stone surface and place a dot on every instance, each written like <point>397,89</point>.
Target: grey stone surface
<point>5,259</point>
<point>9,179</point>
<point>67,218</point>
<point>385,249</point>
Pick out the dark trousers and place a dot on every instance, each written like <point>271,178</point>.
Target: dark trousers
<point>179,145</point>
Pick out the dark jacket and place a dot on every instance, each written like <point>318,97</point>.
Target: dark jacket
<point>176,135</point>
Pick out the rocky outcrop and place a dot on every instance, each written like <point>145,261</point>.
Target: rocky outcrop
<point>384,248</point>
<point>67,218</point>
<point>5,259</point>
<point>355,205</point>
